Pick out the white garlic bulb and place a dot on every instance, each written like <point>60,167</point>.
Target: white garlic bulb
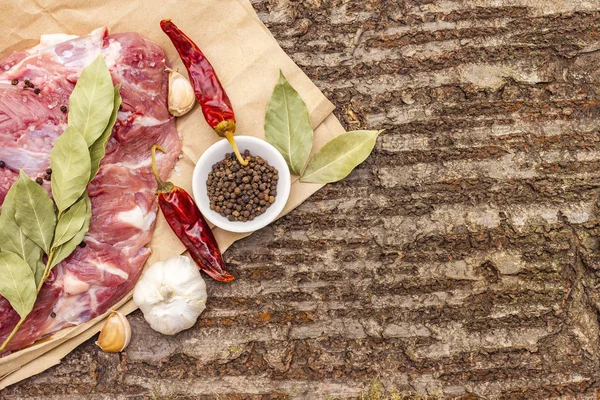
<point>181,94</point>
<point>171,294</point>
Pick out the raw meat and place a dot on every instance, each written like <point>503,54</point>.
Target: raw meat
<point>124,209</point>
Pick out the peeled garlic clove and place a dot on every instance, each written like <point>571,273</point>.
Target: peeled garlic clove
<point>181,94</point>
<point>115,334</point>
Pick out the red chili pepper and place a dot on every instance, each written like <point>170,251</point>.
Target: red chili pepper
<point>189,225</point>
<point>210,94</point>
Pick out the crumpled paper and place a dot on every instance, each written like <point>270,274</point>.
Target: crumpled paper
<point>247,59</point>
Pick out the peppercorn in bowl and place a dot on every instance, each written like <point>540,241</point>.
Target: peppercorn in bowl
<point>241,198</point>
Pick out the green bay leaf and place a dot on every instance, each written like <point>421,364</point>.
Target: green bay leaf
<point>34,212</point>
<point>338,157</point>
<point>13,239</point>
<point>8,207</point>
<point>70,222</point>
<point>64,250</point>
<point>17,284</point>
<point>70,163</point>
<point>98,149</point>
<point>91,103</point>
<point>287,125</point>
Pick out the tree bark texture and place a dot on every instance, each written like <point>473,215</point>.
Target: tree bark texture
<point>460,260</point>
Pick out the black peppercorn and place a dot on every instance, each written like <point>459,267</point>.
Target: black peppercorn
<point>14,82</point>
<point>52,314</point>
<point>241,193</point>
<point>82,244</point>
<point>49,171</point>
<point>63,109</point>
<point>36,90</point>
<point>47,177</point>
<point>2,164</point>
<point>39,180</point>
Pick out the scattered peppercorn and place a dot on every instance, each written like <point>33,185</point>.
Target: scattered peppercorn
<point>49,171</point>
<point>52,314</point>
<point>28,83</point>
<point>36,90</point>
<point>39,180</point>
<point>14,82</point>
<point>48,177</point>
<point>120,107</point>
<point>82,244</point>
<point>242,193</point>
<point>63,109</point>
<point>2,164</point>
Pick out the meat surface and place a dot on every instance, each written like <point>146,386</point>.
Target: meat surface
<point>124,209</point>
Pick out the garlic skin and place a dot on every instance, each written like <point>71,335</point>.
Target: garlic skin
<point>171,295</point>
<point>181,94</point>
<point>115,334</point>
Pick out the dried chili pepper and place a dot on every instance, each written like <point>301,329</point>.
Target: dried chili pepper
<point>210,94</point>
<point>189,225</point>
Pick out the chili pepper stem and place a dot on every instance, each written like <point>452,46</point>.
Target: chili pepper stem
<point>226,129</point>
<point>229,137</point>
<point>162,186</point>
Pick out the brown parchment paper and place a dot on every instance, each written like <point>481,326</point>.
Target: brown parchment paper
<point>247,59</point>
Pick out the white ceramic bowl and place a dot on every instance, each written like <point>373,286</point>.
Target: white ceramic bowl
<point>216,153</point>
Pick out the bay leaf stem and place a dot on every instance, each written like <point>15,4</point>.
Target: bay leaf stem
<point>16,328</point>
<point>14,331</point>
<point>46,271</point>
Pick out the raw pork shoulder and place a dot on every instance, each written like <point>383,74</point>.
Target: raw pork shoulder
<point>124,209</point>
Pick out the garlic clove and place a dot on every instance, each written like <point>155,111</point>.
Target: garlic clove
<point>181,94</point>
<point>115,334</point>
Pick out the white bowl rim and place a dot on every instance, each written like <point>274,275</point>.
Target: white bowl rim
<point>283,187</point>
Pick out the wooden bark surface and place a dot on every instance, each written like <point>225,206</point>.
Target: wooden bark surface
<point>460,260</point>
